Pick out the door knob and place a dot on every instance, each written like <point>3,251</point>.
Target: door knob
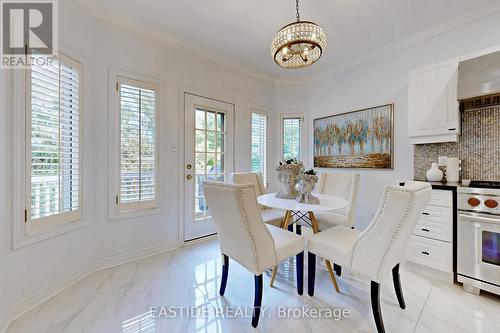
<point>189,177</point>
<point>189,166</point>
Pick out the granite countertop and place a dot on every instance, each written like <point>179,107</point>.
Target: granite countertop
<point>442,185</point>
<point>445,184</point>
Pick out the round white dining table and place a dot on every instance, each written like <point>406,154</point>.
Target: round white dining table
<point>326,203</point>
<point>299,210</point>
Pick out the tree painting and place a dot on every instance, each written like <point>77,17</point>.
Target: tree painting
<point>360,139</point>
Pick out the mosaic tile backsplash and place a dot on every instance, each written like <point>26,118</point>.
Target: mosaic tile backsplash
<point>478,147</point>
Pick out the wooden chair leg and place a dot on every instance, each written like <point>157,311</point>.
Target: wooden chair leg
<point>377,314</point>
<point>332,276</point>
<point>273,276</point>
<point>396,279</point>
<point>300,272</point>
<point>225,272</point>
<point>311,272</point>
<point>257,303</point>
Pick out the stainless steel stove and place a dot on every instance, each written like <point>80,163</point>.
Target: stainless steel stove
<point>478,236</point>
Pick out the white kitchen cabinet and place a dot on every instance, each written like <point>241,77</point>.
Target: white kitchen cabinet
<point>431,244</point>
<point>433,109</point>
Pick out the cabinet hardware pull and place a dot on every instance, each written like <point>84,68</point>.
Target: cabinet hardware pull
<point>426,230</point>
<point>425,252</point>
<point>425,213</point>
<point>452,129</point>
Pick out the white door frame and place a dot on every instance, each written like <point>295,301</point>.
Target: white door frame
<point>183,92</point>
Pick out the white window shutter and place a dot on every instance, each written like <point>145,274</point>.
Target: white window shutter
<point>138,146</point>
<point>54,138</point>
<point>259,144</point>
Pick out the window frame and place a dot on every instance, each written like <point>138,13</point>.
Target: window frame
<point>118,211</point>
<point>24,233</point>
<point>264,172</point>
<point>284,116</point>
<point>55,220</point>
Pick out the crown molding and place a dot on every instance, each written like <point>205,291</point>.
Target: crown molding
<point>139,28</point>
<point>408,41</point>
<point>134,26</point>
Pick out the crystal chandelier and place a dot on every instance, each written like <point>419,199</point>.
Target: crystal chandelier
<point>298,44</point>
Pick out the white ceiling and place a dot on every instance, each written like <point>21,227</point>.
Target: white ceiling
<point>240,31</point>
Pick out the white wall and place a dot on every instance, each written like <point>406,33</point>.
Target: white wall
<point>101,45</point>
<point>380,81</point>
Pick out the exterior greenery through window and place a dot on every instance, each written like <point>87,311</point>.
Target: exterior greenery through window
<point>291,137</point>
<point>53,142</point>
<point>138,158</point>
<point>210,152</point>
<point>259,144</point>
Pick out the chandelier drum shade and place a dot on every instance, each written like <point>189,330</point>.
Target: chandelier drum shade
<point>298,44</point>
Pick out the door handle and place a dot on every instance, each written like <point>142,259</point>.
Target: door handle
<point>189,166</point>
<point>189,177</point>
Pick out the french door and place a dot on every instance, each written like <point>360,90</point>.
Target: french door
<point>208,156</point>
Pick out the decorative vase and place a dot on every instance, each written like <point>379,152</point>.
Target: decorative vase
<point>305,186</point>
<point>434,174</point>
<point>288,171</point>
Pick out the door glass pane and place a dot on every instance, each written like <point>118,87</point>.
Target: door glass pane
<point>200,164</point>
<point>211,120</point>
<point>211,168</point>
<point>220,122</point>
<point>220,142</point>
<point>209,156</point>
<point>200,119</point>
<point>211,141</point>
<point>491,247</point>
<point>200,141</point>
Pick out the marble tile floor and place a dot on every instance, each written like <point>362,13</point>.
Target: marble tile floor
<point>121,299</point>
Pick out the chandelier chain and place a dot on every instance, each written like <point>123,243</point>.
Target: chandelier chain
<point>297,7</point>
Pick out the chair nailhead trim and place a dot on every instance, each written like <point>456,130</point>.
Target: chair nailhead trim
<point>398,227</point>
<point>247,225</point>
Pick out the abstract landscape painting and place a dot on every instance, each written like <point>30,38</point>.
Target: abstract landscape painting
<point>358,139</point>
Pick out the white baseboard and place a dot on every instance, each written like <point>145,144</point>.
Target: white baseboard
<point>29,303</point>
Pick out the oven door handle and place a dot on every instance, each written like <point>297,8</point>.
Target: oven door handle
<point>480,217</point>
<point>479,242</point>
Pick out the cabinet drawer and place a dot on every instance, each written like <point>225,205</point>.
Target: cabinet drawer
<point>439,231</point>
<point>441,198</point>
<point>432,253</point>
<point>437,214</point>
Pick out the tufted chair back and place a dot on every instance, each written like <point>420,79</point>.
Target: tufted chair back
<point>382,244</point>
<point>254,178</point>
<point>242,234</point>
<point>343,185</point>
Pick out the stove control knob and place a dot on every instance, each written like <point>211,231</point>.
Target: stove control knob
<point>490,203</point>
<point>473,202</point>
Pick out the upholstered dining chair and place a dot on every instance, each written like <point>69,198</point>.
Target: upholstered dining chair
<point>271,216</point>
<point>379,248</point>
<point>342,185</point>
<point>245,238</point>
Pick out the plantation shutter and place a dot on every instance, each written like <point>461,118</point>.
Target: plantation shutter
<point>291,137</point>
<point>259,144</point>
<point>138,161</point>
<point>54,140</point>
